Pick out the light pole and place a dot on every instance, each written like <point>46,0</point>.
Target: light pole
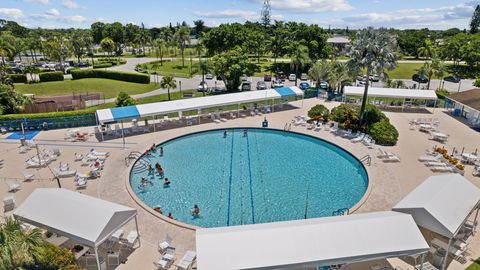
<point>191,74</point>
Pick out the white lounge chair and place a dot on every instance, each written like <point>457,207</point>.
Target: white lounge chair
<point>441,169</point>
<point>187,260</point>
<point>387,156</point>
<point>60,173</point>
<point>435,164</point>
<point>80,183</point>
<point>358,138</point>
<point>131,239</point>
<point>318,127</point>
<point>63,167</point>
<point>13,186</point>
<point>430,158</point>
<point>8,203</point>
<point>27,176</point>
<point>78,157</point>
<point>217,115</point>
<point>166,243</point>
<point>167,259</point>
<point>214,119</point>
<point>96,153</point>
<point>23,149</point>
<point>232,115</point>
<point>114,238</point>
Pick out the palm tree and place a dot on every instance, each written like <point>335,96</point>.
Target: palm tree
<point>6,47</point>
<point>168,82</point>
<point>320,71</point>
<point>182,37</point>
<point>18,247</point>
<point>372,50</point>
<point>299,57</point>
<point>160,45</point>
<point>395,84</point>
<point>339,76</point>
<point>432,68</point>
<point>428,50</point>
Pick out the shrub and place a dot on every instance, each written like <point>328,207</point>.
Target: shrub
<point>123,99</point>
<point>18,78</point>
<point>112,75</point>
<point>338,113</point>
<point>54,257</point>
<point>103,65</point>
<point>384,133</point>
<point>442,93</point>
<point>477,82</point>
<point>51,76</point>
<point>372,115</point>
<point>318,112</point>
<point>8,117</point>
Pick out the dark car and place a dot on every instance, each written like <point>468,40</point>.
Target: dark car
<point>261,86</point>
<point>304,85</point>
<point>452,79</point>
<point>267,77</point>
<point>419,78</point>
<point>81,64</point>
<point>281,76</point>
<point>216,90</point>
<point>246,86</point>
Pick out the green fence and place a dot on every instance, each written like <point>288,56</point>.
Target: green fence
<point>51,123</point>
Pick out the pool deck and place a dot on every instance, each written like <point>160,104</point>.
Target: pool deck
<point>389,182</point>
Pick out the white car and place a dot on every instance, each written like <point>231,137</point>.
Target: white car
<point>208,76</point>
<point>292,77</point>
<point>277,84</point>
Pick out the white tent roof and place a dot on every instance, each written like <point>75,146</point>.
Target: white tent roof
<point>160,108</point>
<point>311,242</point>
<point>441,203</point>
<point>85,219</point>
<point>391,93</point>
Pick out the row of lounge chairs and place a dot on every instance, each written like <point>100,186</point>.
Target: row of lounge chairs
<point>167,251</point>
<point>387,156</point>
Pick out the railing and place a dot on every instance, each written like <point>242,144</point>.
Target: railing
<point>366,160</point>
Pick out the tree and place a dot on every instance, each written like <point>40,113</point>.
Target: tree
<point>199,27</point>
<point>395,84</point>
<point>432,68</point>
<point>168,82</point>
<point>299,58</point>
<point>116,32</point>
<point>6,46</point>
<point>160,47</point>
<point>319,72</point>
<point>107,45</point>
<point>57,48</point>
<point>97,32</point>
<point>10,99</point>
<point>428,50</point>
<point>339,76</point>
<point>32,70</point>
<point>372,50</point>
<point>477,82</point>
<point>182,37</point>
<point>204,68</point>
<point>132,34</point>
<point>257,43</point>
<point>80,40</point>
<point>475,22</point>
<point>124,99</point>
<point>230,66</point>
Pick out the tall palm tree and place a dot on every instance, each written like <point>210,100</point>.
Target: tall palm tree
<point>320,71</point>
<point>6,47</point>
<point>432,68</point>
<point>182,37</point>
<point>372,50</point>
<point>299,58</point>
<point>339,76</point>
<point>160,47</point>
<point>428,50</point>
<point>168,82</point>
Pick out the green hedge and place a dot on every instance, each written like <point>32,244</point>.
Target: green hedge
<point>112,75</point>
<point>442,93</point>
<point>51,76</point>
<point>384,133</point>
<point>103,65</point>
<point>18,78</point>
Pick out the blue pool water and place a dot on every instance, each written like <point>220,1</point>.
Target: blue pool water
<point>267,176</point>
<point>17,135</point>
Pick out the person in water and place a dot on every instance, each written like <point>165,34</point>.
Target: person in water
<point>244,132</point>
<point>150,169</point>
<point>196,211</point>
<point>166,183</point>
<point>161,151</point>
<point>170,215</point>
<point>225,133</point>
<point>152,148</point>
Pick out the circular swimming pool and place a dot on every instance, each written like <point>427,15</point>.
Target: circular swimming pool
<point>262,176</point>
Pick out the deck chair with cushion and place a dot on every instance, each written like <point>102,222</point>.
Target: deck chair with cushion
<point>13,186</point>
<point>166,243</point>
<point>131,239</point>
<point>27,176</point>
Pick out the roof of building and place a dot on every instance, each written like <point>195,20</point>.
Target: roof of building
<point>470,98</point>
<point>339,40</point>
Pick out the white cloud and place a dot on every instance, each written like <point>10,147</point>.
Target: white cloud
<point>54,15</point>
<point>227,14</point>
<point>70,4</point>
<point>52,12</point>
<point>74,19</point>
<point>43,2</point>
<point>309,6</point>
<point>11,13</point>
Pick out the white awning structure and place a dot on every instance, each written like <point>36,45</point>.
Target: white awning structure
<point>161,108</point>
<point>441,203</point>
<point>391,93</point>
<point>87,220</point>
<point>310,243</point>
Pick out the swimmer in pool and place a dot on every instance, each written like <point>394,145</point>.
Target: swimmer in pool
<point>196,211</point>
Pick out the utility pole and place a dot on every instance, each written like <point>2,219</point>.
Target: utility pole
<point>266,13</point>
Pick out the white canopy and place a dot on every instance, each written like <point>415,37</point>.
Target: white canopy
<point>311,242</point>
<point>441,203</point>
<point>85,219</point>
<point>161,108</point>
<point>391,93</point>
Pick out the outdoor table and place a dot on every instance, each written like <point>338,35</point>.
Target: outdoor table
<point>439,136</point>
<point>469,157</point>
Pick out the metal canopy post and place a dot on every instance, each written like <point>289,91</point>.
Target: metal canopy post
<point>97,258</point>
<point>153,121</point>
<point>422,261</point>
<point>434,105</point>
<point>123,134</point>
<point>238,110</point>
<point>403,105</point>
<point>138,233</point>
<point>199,111</point>
<point>444,266</point>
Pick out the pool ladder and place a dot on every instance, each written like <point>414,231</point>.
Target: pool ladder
<point>366,160</point>
<point>287,127</point>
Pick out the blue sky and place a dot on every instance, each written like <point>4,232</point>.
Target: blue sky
<point>434,14</point>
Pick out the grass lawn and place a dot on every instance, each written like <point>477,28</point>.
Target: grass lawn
<point>173,68</point>
<point>475,265</point>
<point>110,88</point>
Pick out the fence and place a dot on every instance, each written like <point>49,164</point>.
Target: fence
<point>51,123</point>
<point>61,103</point>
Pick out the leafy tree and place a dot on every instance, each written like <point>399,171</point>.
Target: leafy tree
<point>320,71</point>
<point>318,112</point>
<point>182,37</point>
<point>204,68</point>
<point>10,99</point>
<point>374,51</point>
<point>339,76</point>
<point>32,70</point>
<point>470,52</point>
<point>451,48</point>
<point>107,45</point>
<point>19,47</point>
<point>57,48</point>
<point>199,27</point>
<point>116,32</point>
<point>6,46</point>
<point>428,50</point>
<point>97,32</point>
<point>409,41</point>
<point>160,47</point>
<point>279,41</point>
<point>169,83</point>
<point>435,67</point>
<point>477,82</point>
<point>224,38</point>
<point>123,99</point>
<point>475,22</point>
<point>80,43</point>
<point>257,43</point>
<point>395,84</point>
<point>132,34</point>
<point>230,66</point>
<point>14,28</point>
<point>299,58</point>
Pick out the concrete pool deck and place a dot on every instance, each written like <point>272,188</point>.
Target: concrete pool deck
<point>389,182</point>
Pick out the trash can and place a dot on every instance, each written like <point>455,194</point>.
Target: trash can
<point>265,123</point>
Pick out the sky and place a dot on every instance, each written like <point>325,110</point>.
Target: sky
<point>402,14</point>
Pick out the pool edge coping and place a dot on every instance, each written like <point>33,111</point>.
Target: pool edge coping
<point>180,224</point>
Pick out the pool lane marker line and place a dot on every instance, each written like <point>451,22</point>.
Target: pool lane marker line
<point>250,177</point>
<point>230,181</point>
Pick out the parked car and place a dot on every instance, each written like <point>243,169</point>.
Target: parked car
<point>208,76</point>
<point>202,87</point>
<point>304,85</point>
<point>246,86</point>
<point>81,64</point>
<point>452,79</point>
<point>419,78</point>
<point>374,78</point>
<point>292,77</point>
<point>244,78</point>
<point>277,83</point>
<point>281,76</point>
<point>304,77</point>
<point>267,77</point>
<point>324,85</point>
<point>216,90</point>
<point>261,85</point>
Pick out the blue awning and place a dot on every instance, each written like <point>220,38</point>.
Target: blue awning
<point>127,112</point>
<point>285,92</point>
